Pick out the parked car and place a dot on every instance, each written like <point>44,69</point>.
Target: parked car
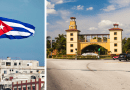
<point>115,57</point>
<point>124,56</point>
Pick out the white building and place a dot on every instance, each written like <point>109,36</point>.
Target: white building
<point>19,70</point>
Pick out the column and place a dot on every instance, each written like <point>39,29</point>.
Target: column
<point>107,36</point>
<point>97,38</point>
<point>90,37</point>
<point>39,82</point>
<point>85,38</point>
<point>31,85</point>
<point>102,38</point>
<point>21,86</point>
<point>12,85</point>
<point>26,85</point>
<point>35,85</point>
<point>17,86</point>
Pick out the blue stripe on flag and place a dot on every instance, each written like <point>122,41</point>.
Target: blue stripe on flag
<point>20,29</point>
<point>16,21</point>
<point>13,37</point>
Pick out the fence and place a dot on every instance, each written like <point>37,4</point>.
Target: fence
<point>34,84</point>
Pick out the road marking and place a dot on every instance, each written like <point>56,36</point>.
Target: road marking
<point>89,68</point>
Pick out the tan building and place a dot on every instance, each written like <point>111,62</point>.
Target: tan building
<point>116,39</point>
<point>72,37</point>
<point>112,41</point>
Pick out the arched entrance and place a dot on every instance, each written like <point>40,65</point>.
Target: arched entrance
<point>95,49</point>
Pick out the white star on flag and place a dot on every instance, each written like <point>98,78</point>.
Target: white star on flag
<point>1,26</point>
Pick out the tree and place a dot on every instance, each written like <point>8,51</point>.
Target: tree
<point>60,44</point>
<point>124,47</point>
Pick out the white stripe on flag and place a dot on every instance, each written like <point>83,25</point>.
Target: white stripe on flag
<point>18,25</point>
<point>17,33</point>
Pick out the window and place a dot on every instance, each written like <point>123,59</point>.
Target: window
<point>115,33</point>
<point>71,50</point>
<point>12,70</point>
<point>43,72</point>
<point>20,63</point>
<point>115,50</point>
<point>71,34</point>
<point>71,45</point>
<point>24,88</point>
<point>33,77</point>
<point>15,64</point>
<point>8,63</point>
<point>42,76</point>
<point>29,64</point>
<point>71,39</point>
<point>115,44</point>
<point>115,38</point>
<point>15,88</point>
<point>16,71</point>
<point>3,63</point>
<point>37,70</point>
<point>5,72</point>
<point>31,71</point>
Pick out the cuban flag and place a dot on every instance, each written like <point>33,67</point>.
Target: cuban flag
<point>14,29</point>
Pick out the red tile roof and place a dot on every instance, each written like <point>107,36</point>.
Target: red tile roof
<point>116,29</point>
<point>72,18</point>
<point>72,30</point>
<point>115,24</point>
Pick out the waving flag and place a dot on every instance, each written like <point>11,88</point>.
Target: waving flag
<point>14,29</point>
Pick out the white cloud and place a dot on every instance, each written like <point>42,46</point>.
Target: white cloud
<point>49,5</point>
<point>79,7</point>
<point>117,4</point>
<point>94,24</point>
<point>92,28</point>
<point>105,24</point>
<point>120,3</point>
<point>110,8</point>
<point>90,8</point>
<point>61,1</point>
<point>64,14</point>
<point>50,8</point>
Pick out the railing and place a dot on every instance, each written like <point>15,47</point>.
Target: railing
<point>93,40</point>
<point>33,84</point>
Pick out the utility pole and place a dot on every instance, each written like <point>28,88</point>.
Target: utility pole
<point>51,46</point>
<point>76,54</point>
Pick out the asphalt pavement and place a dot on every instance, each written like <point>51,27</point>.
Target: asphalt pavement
<point>88,74</point>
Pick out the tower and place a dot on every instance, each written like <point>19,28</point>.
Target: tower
<point>116,39</point>
<point>72,38</point>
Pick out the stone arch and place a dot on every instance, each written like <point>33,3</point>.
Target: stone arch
<point>93,44</point>
<point>84,45</point>
<point>94,48</point>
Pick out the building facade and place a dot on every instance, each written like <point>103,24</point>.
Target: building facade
<point>112,42</point>
<point>19,70</point>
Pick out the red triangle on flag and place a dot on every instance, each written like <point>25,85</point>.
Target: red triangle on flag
<point>4,28</point>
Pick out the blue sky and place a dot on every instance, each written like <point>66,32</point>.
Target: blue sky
<point>28,11</point>
<point>92,16</point>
